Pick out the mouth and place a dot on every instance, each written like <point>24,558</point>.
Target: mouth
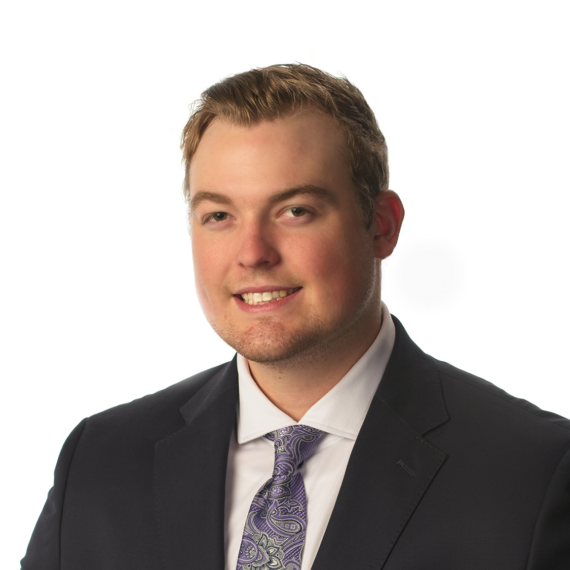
<point>265,297</point>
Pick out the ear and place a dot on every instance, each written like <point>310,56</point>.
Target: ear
<point>388,218</point>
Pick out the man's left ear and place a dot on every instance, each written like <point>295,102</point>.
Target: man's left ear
<point>388,218</point>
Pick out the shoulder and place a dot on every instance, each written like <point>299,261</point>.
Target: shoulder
<point>154,415</point>
<point>480,406</point>
<point>417,382</point>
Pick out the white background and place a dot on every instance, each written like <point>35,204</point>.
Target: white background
<point>97,297</point>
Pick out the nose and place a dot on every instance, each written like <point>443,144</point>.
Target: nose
<point>256,248</point>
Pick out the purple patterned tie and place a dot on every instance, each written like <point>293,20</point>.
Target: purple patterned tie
<point>276,524</point>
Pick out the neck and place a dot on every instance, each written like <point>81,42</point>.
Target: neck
<point>294,387</point>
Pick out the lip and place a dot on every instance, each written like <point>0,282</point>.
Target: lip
<point>273,306</point>
<point>263,288</point>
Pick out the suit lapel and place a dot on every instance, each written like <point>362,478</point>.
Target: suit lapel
<point>190,475</point>
<point>391,465</point>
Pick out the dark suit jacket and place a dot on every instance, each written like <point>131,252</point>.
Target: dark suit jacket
<point>448,472</point>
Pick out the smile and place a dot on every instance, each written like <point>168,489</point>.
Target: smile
<point>265,297</point>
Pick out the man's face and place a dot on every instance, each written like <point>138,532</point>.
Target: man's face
<point>274,212</point>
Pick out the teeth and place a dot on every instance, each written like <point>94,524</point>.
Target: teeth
<point>266,296</point>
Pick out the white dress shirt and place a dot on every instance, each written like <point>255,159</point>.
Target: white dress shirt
<point>339,413</point>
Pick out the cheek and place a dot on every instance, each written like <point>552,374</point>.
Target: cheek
<point>202,290</point>
<point>203,299</point>
<point>207,276</point>
<point>329,264</point>
<point>338,267</point>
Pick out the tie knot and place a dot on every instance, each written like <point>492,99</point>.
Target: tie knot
<point>294,443</point>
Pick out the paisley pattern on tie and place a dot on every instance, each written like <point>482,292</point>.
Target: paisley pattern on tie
<point>276,525</point>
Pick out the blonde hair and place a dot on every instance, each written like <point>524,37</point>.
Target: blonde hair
<point>269,93</point>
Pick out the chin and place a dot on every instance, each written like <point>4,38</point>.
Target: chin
<point>270,343</point>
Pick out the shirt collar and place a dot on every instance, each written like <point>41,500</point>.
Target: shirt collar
<point>341,411</point>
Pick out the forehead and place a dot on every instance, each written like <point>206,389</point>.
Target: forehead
<point>305,148</point>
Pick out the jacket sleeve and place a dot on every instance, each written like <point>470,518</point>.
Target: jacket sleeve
<point>44,549</point>
<point>550,548</point>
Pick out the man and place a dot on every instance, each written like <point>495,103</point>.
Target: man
<point>331,441</point>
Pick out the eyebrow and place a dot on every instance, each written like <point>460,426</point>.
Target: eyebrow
<point>282,195</point>
<point>203,196</point>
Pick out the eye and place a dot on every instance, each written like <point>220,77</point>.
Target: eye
<point>297,211</point>
<point>217,217</point>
